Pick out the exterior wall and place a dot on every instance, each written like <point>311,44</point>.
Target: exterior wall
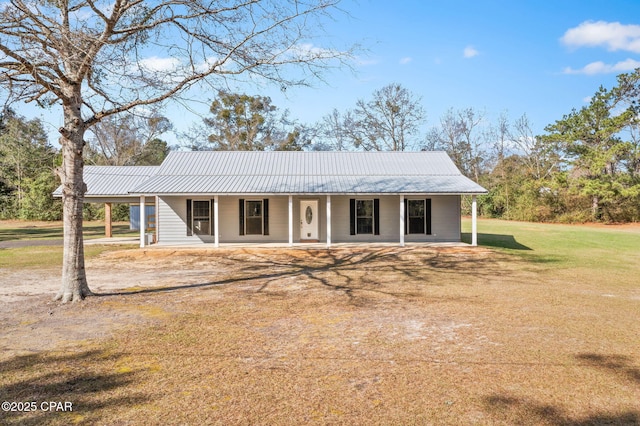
<point>445,219</point>
<point>230,224</point>
<point>172,216</point>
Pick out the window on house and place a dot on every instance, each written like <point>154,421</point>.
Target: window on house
<point>364,216</point>
<point>416,216</point>
<point>253,220</point>
<point>201,217</point>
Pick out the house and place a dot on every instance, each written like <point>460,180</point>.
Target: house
<point>217,197</point>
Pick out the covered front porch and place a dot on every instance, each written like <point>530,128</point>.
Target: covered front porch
<point>294,220</point>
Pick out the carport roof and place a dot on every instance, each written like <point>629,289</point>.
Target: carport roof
<point>113,181</point>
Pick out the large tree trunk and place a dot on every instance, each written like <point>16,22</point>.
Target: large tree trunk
<point>74,281</point>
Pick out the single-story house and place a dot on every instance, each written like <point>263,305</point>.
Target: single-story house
<point>217,197</point>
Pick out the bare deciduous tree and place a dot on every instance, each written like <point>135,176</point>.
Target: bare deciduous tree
<point>457,135</point>
<point>540,158</point>
<point>123,140</point>
<point>98,58</point>
<point>389,121</point>
<point>333,130</point>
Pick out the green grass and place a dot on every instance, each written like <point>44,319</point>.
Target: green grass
<point>562,246</point>
<point>49,256</point>
<point>11,230</point>
<point>45,256</point>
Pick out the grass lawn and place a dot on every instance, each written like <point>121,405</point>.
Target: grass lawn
<point>539,325</point>
<point>49,256</point>
<point>29,230</point>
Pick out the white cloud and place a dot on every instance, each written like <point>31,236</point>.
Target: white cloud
<point>470,52</point>
<point>309,51</point>
<point>365,62</point>
<point>612,35</point>
<point>600,67</point>
<point>405,60</point>
<point>159,64</point>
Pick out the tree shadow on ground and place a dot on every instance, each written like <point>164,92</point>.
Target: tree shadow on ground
<point>524,411</point>
<point>29,233</point>
<point>619,365</point>
<point>352,272</point>
<point>527,411</point>
<point>496,240</point>
<point>84,379</point>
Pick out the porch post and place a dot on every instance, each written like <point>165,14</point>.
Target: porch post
<point>290,220</point>
<point>107,220</point>
<point>328,220</point>
<point>401,220</point>
<point>156,200</point>
<point>216,230</point>
<point>474,221</point>
<point>143,222</point>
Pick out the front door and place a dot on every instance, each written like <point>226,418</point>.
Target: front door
<point>309,220</point>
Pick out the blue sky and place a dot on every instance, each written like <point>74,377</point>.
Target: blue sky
<point>535,57</point>
<point>491,55</point>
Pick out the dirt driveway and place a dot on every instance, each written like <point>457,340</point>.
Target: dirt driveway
<point>33,322</point>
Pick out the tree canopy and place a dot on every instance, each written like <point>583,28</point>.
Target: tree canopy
<point>241,122</point>
<point>27,161</point>
<point>599,145</point>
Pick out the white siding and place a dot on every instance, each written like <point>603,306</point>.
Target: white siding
<point>278,219</point>
<point>445,220</point>
<point>389,217</point>
<point>230,220</point>
<point>172,215</point>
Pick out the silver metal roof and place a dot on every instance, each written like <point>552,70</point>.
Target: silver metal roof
<point>104,181</point>
<point>282,172</point>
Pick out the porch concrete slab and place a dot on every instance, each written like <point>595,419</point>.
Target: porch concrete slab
<point>302,246</point>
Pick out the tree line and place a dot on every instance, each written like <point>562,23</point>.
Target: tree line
<point>585,167</point>
<point>28,162</point>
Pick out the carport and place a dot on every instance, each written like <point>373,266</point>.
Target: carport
<point>111,185</point>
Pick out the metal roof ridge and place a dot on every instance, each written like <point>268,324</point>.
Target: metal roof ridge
<point>307,152</point>
<point>304,174</point>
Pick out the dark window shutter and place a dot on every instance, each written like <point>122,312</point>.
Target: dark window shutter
<point>352,216</point>
<point>406,216</point>
<point>241,209</point>
<point>265,216</point>
<point>376,216</point>
<point>427,214</point>
<point>212,231</point>
<point>189,217</point>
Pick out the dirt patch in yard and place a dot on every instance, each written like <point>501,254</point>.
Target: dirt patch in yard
<point>414,335</point>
